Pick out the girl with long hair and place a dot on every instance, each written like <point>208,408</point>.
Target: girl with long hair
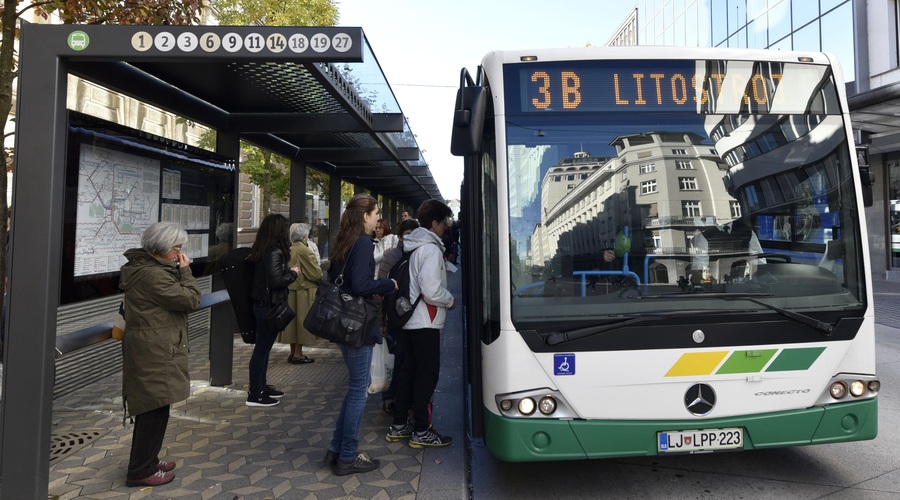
<point>271,277</point>
<point>353,257</point>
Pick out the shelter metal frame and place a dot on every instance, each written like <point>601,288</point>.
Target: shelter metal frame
<point>295,91</point>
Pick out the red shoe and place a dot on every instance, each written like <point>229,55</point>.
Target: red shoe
<point>165,466</point>
<point>157,479</point>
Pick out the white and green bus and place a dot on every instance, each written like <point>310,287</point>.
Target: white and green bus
<point>664,251</point>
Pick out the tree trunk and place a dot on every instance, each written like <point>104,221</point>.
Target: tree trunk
<point>7,73</point>
<point>267,182</point>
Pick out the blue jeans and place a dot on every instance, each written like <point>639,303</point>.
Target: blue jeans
<point>345,440</point>
<point>259,360</point>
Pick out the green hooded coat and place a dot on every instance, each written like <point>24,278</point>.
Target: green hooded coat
<point>158,298</point>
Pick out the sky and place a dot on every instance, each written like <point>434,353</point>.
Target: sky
<point>422,45</point>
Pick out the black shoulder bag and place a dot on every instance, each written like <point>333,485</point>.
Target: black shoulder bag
<point>280,315</point>
<point>338,316</point>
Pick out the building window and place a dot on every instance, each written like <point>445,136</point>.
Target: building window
<point>679,151</point>
<point>735,209</point>
<point>713,151</point>
<point>648,187</point>
<point>646,169</point>
<point>688,183</point>
<point>683,165</point>
<point>690,208</point>
<point>570,177</point>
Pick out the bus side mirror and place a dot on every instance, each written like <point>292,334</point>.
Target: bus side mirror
<point>468,117</point>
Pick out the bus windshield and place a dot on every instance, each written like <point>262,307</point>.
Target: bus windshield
<point>678,181</point>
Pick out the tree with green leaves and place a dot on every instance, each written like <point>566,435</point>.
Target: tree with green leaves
<point>145,12</point>
<point>268,171</point>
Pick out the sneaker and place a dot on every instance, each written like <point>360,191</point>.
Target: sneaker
<point>331,457</point>
<point>272,392</point>
<point>157,479</point>
<point>388,407</point>
<point>362,463</point>
<point>165,466</point>
<point>428,438</point>
<point>398,432</point>
<point>261,399</point>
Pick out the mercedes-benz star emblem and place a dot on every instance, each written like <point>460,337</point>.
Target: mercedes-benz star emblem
<point>699,399</point>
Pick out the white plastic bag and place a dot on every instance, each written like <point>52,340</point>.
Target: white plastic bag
<point>382,368</point>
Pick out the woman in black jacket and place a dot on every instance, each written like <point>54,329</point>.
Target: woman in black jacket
<point>354,253</point>
<point>271,277</point>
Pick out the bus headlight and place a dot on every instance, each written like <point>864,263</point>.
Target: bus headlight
<point>540,402</point>
<point>547,405</point>
<point>858,385</point>
<point>526,406</point>
<point>838,390</point>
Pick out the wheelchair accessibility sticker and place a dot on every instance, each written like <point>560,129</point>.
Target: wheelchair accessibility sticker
<point>564,364</point>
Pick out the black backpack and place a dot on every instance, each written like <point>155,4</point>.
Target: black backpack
<point>238,273</point>
<point>397,307</point>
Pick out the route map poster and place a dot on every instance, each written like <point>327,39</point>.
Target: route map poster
<point>118,198</point>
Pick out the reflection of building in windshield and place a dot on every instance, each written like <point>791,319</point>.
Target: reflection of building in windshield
<point>781,155</point>
<point>558,182</point>
<point>523,180</point>
<point>663,186</point>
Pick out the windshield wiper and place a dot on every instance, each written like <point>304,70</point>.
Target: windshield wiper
<point>557,338</point>
<point>826,328</point>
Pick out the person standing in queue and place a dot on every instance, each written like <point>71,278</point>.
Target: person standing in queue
<point>301,293</point>
<point>354,252</point>
<point>392,337</point>
<point>271,276</point>
<point>418,373</point>
<point>160,291</point>
<point>384,240</point>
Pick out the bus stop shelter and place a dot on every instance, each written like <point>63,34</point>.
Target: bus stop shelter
<point>313,95</point>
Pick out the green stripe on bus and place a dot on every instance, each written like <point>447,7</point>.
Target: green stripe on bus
<point>795,359</point>
<point>749,361</point>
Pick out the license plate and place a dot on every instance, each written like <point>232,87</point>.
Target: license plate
<point>700,441</point>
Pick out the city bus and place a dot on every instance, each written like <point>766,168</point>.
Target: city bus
<point>664,252</point>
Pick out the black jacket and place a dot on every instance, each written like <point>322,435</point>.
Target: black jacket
<point>359,270</point>
<point>272,269</point>
<point>358,280</point>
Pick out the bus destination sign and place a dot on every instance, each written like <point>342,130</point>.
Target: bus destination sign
<point>647,86</point>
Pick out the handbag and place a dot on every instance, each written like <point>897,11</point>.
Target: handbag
<point>279,315</point>
<point>118,328</point>
<point>338,316</point>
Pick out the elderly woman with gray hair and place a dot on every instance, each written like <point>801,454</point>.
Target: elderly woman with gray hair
<point>160,291</point>
<point>301,293</point>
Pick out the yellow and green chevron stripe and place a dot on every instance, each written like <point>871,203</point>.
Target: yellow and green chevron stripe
<point>745,361</point>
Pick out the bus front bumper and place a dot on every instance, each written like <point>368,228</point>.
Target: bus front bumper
<point>537,439</point>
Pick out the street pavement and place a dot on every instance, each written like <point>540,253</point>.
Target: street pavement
<point>224,449</point>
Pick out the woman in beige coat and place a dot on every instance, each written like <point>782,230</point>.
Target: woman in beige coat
<point>160,291</point>
<point>301,293</point>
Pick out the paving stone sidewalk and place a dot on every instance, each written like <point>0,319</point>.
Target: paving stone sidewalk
<point>225,449</point>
